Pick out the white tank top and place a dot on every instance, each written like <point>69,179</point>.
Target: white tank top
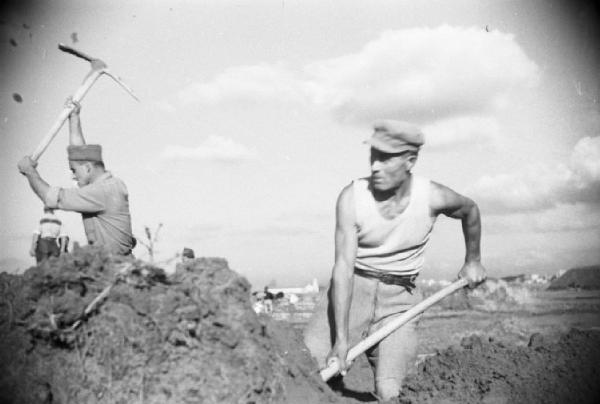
<point>50,226</point>
<point>392,245</point>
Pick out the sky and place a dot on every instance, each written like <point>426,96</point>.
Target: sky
<point>252,117</point>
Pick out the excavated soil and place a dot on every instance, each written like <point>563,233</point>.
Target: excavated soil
<point>188,338</point>
<point>485,371</point>
<point>193,338</point>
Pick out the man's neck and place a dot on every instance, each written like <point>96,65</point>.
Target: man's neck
<point>97,173</point>
<point>404,188</point>
<point>397,193</point>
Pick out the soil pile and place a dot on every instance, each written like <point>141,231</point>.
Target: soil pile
<point>581,278</point>
<point>484,371</point>
<point>189,338</point>
<point>493,295</point>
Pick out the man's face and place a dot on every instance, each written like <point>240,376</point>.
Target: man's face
<point>389,171</point>
<point>82,172</point>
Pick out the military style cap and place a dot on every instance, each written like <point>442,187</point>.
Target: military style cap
<point>85,152</point>
<point>395,136</point>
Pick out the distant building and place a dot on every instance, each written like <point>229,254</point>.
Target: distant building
<point>514,278</point>
<point>537,279</point>
<point>312,287</point>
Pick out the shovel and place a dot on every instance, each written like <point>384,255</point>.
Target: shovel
<point>334,367</point>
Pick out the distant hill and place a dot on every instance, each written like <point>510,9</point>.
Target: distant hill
<point>582,277</point>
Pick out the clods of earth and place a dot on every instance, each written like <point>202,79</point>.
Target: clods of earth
<point>482,370</point>
<point>188,338</point>
<point>89,327</point>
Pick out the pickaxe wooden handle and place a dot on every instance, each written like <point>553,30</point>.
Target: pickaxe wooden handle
<point>98,68</point>
<point>332,369</point>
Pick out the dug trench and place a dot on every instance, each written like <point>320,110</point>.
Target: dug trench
<point>193,337</point>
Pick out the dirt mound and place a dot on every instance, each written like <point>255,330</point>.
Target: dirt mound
<point>582,278</point>
<point>491,296</point>
<point>484,371</point>
<point>189,338</point>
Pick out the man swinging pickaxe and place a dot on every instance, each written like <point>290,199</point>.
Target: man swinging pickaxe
<point>101,198</point>
<point>98,68</point>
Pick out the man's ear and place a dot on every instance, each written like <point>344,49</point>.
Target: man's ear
<point>411,161</point>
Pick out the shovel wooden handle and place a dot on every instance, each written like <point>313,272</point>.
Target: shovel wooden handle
<point>331,370</point>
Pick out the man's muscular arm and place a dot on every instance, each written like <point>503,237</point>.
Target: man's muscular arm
<point>27,168</point>
<point>343,274</point>
<point>34,241</point>
<point>75,132</point>
<point>448,202</point>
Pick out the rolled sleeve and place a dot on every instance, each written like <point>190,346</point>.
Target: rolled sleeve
<point>51,199</point>
<point>89,199</point>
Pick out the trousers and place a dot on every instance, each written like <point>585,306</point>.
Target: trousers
<point>374,303</point>
<point>46,247</point>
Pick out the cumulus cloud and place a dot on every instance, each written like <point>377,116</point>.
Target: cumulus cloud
<point>564,217</point>
<point>580,216</point>
<point>453,74</point>
<point>424,73</point>
<point>247,84</point>
<point>543,187</point>
<point>585,160</point>
<point>214,148</point>
<point>461,130</point>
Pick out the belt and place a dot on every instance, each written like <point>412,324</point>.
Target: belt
<point>407,281</point>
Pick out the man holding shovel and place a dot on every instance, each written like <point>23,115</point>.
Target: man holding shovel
<point>102,199</point>
<point>383,223</point>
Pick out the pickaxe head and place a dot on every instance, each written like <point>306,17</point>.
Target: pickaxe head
<point>97,66</point>
<point>120,82</point>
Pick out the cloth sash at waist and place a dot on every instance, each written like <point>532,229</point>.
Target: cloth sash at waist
<point>406,281</point>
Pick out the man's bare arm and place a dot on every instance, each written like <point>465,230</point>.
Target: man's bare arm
<point>450,203</point>
<point>34,242</point>
<point>36,182</point>
<point>343,273</point>
<point>75,132</point>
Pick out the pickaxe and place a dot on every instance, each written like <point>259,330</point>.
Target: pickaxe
<point>98,68</point>
<point>334,367</point>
